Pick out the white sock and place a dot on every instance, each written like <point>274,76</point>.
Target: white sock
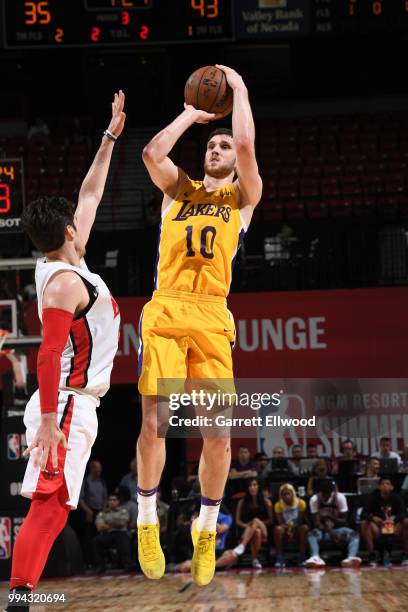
<point>207,519</point>
<point>239,550</point>
<point>147,509</point>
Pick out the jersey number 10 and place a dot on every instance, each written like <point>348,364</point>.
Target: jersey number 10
<point>208,229</point>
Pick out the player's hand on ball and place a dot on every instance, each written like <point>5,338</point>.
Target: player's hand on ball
<point>47,439</point>
<point>201,116</point>
<point>118,116</point>
<point>234,80</point>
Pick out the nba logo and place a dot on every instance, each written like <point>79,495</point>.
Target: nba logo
<point>13,446</point>
<point>5,537</point>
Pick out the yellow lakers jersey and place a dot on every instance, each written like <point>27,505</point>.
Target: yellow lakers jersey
<point>200,234</point>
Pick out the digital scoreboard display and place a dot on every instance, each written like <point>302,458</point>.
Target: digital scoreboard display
<point>360,17</point>
<point>11,194</point>
<point>66,23</point>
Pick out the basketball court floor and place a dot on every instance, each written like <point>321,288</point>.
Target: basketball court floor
<point>333,590</point>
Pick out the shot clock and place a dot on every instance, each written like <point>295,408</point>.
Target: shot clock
<point>11,194</point>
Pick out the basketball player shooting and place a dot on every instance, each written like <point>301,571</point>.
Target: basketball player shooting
<point>80,322</point>
<point>186,330</point>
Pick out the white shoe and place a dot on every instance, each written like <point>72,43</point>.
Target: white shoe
<point>256,564</point>
<point>239,550</point>
<point>314,562</point>
<point>353,562</point>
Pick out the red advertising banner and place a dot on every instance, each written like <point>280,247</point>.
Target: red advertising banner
<point>341,333</point>
<point>335,333</point>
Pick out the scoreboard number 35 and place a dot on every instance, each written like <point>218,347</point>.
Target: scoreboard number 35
<point>37,12</point>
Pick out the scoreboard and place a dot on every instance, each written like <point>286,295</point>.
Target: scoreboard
<point>63,23</point>
<point>11,194</point>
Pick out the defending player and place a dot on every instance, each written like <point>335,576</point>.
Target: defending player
<point>80,338</point>
<point>186,329</point>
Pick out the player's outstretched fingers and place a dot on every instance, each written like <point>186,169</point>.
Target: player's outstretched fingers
<point>64,442</point>
<point>29,448</point>
<point>54,455</point>
<point>45,453</point>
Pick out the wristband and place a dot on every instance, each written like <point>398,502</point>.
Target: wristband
<point>110,136</point>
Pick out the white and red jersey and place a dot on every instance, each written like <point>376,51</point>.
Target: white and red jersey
<point>87,359</point>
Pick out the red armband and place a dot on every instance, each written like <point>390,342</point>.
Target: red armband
<point>56,327</point>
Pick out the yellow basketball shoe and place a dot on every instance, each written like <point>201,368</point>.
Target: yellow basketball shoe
<point>151,557</point>
<point>203,561</point>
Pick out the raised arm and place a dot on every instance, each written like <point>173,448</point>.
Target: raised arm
<point>243,129</point>
<point>164,173</point>
<point>93,185</point>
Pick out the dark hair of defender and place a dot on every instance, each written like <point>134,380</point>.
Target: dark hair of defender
<point>44,220</point>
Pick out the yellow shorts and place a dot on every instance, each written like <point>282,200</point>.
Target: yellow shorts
<point>184,335</point>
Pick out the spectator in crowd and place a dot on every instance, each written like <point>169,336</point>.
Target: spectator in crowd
<point>112,524</point>
<point>129,480</point>
<point>348,450</point>
<point>243,466</point>
<point>384,515</point>
<point>373,468</point>
<point>261,461</point>
<point>131,506</point>
<point>294,462</point>
<point>125,501</point>
<point>39,132</point>
<point>329,515</point>
<point>348,453</point>
<point>276,467</point>
<point>181,545</point>
<point>224,522</point>
<point>290,516</point>
<point>404,486</point>
<point>320,470</point>
<point>385,451</point>
<point>404,460</point>
<point>92,499</point>
<point>311,451</point>
<point>162,514</point>
<point>254,515</point>
<point>18,362</point>
<point>94,491</point>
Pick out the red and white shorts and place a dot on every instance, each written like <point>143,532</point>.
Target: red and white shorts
<point>78,421</point>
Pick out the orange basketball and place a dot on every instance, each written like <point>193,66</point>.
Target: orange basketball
<point>207,89</point>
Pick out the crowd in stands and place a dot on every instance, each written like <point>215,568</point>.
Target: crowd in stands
<point>301,510</point>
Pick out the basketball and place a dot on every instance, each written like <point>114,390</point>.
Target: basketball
<point>207,89</point>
